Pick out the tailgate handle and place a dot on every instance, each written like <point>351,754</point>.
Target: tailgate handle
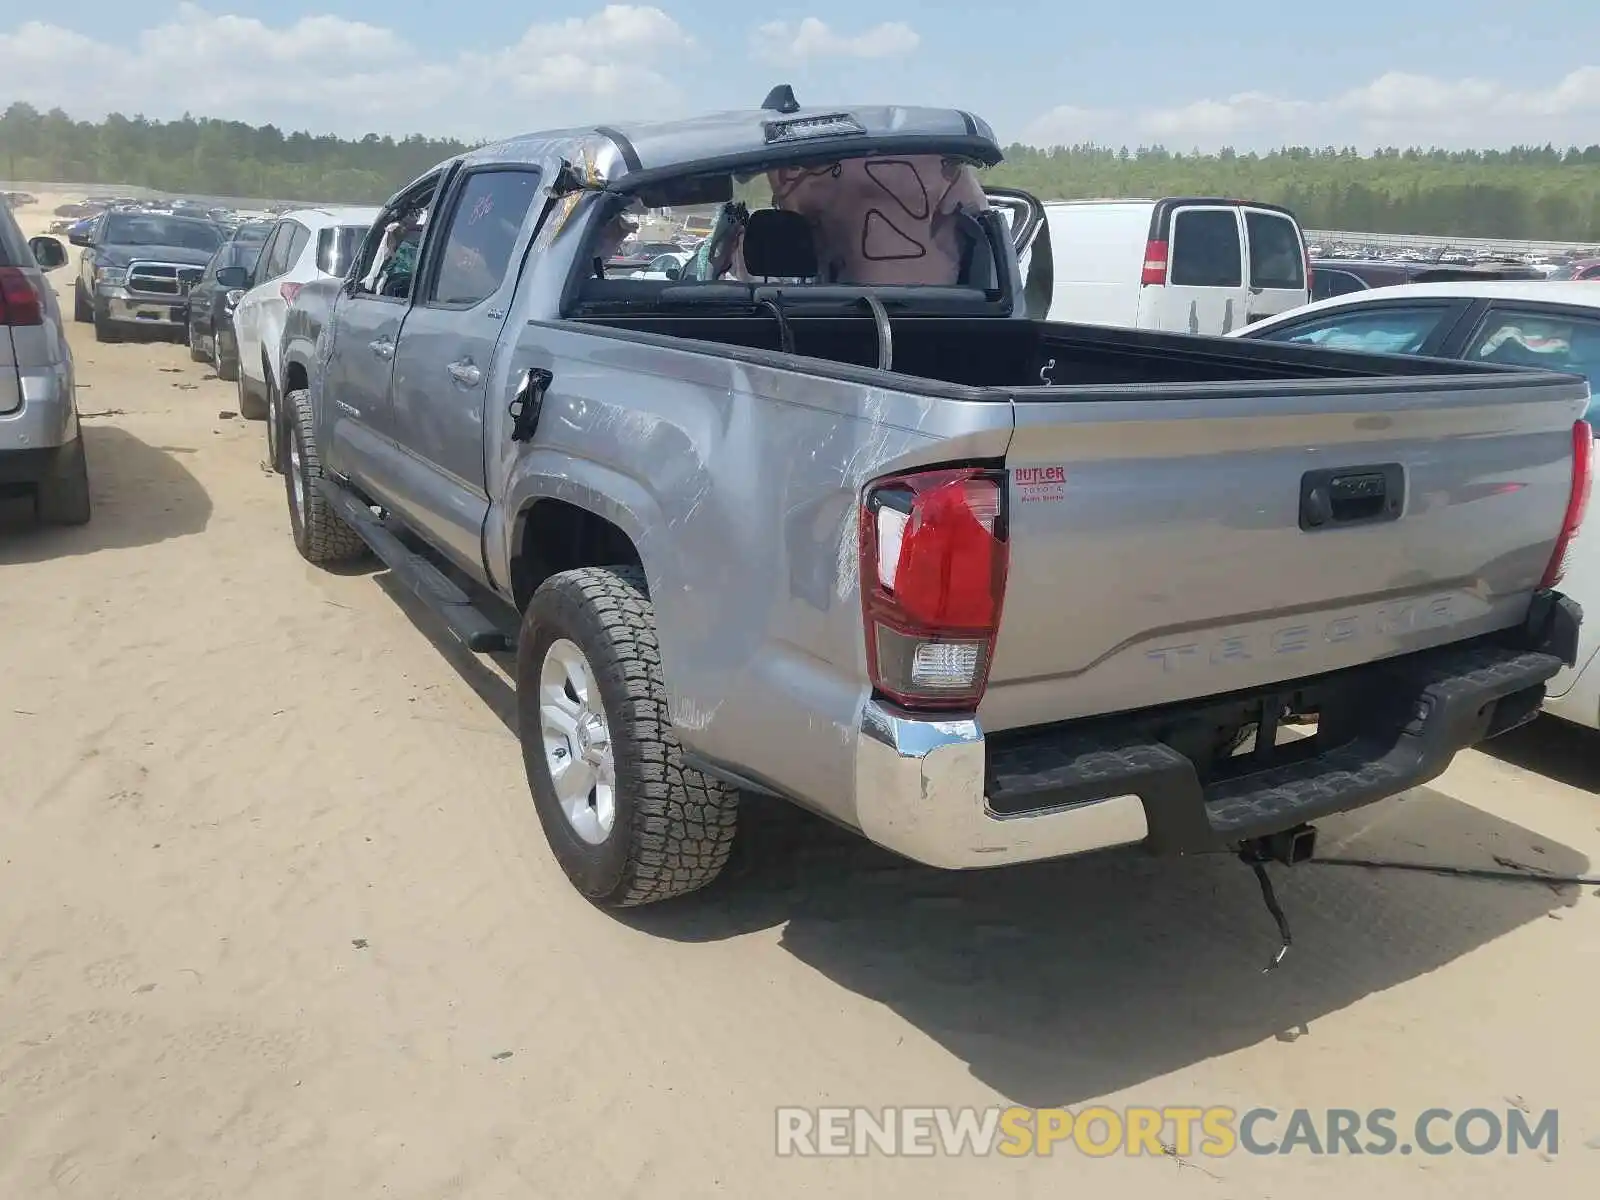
<point>1339,497</point>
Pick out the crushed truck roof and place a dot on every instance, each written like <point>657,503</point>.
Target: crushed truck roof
<point>721,141</point>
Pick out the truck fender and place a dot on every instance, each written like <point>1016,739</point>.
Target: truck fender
<point>608,494</point>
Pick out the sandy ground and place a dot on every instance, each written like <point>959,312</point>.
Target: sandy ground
<point>277,919</point>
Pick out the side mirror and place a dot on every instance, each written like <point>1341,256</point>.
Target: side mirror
<point>231,279</point>
<point>78,239</point>
<point>48,252</point>
<point>673,272</point>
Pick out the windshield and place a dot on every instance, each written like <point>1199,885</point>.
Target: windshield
<point>147,229</point>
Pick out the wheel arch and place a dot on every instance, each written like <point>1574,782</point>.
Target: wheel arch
<point>296,374</point>
<point>551,534</point>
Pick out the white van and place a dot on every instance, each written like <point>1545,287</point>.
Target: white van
<point>1184,264</point>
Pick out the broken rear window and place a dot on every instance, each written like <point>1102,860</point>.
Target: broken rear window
<point>887,220</point>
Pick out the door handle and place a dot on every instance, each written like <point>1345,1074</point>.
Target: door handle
<point>383,348</point>
<point>465,373</point>
<point>1330,498</point>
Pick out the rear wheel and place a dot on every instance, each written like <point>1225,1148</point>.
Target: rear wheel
<point>62,497</point>
<point>628,821</point>
<point>319,534</point>
<point>224,366</point>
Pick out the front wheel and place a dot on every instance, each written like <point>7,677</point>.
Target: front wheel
<point>628,821</point>
<point>82,306</point>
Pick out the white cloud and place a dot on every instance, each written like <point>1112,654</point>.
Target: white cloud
<point>782,41</point>
<point>1395,109</point>
<point>351,77</point>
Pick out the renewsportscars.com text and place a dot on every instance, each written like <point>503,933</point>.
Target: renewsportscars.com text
<point>1214,1132</point>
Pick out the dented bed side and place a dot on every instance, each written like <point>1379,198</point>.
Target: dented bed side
<point>740,484</point>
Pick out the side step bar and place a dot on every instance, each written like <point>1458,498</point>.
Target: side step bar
<point>467,624</point>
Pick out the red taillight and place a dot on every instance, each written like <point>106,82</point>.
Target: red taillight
<point>20,302</point>
<point>933,577</point>
<point>1155,264</point>
<point>1577,502</point>
<point>289,291</point>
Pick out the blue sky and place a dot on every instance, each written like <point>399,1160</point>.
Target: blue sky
<point>1452,72</point>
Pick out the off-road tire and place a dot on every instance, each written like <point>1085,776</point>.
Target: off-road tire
<point>82,306</point>
<point>674,826</point>
<point>320,534</point>
<point>62,497</point>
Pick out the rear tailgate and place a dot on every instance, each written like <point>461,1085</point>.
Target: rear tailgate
<point>1158,555</point>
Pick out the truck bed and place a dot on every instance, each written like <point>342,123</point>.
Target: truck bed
<point>1159,550</point>
<point>987,355</point>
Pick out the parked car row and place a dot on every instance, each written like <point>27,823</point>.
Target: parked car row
<point>136,270</point>
<point>1340,277</point>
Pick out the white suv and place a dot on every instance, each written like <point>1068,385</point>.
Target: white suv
<point>305,244</point>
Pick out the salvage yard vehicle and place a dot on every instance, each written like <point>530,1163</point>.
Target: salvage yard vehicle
<point>840,524</point>
<point>306,244</point>
<point>1191,264</point>
<point>41,444</point>
<point>136,270</point>
<point>210,304</point>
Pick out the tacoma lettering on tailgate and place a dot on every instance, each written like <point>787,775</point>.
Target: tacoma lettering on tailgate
<point>1389,620</point>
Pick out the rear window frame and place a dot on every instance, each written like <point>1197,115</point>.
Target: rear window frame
<point>330,236</point>
<point>1253,215</point>
<point>13,245</point>
<point>1176,243</point>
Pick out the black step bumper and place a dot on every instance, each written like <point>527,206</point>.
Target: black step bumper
<point>1381,729</point>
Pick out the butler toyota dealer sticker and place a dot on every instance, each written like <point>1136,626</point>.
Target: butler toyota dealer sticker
<point>1040,483</point>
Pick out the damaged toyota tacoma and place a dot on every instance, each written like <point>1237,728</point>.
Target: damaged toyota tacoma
<point>827,517</point>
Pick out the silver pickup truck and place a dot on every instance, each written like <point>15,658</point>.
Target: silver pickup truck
<point>825,517</point>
